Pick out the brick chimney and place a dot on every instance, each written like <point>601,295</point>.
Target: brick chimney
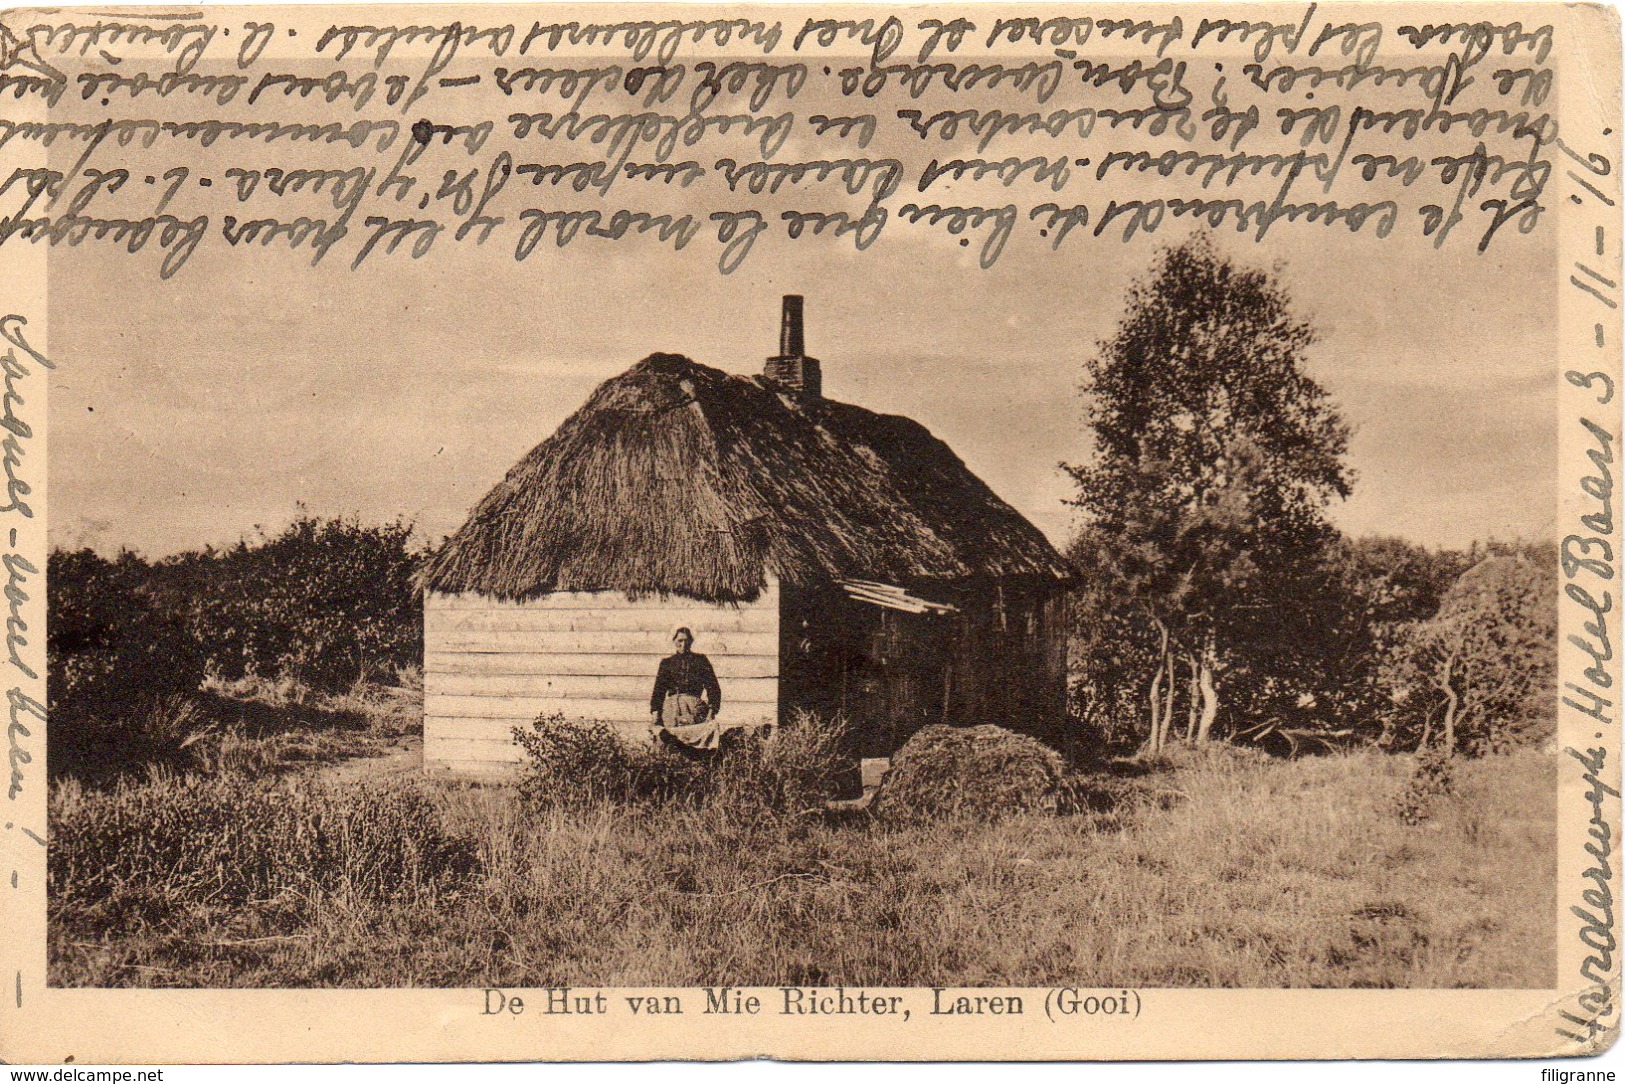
<point>792,367</point>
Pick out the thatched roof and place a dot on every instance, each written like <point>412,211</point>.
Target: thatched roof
<point>680,479</point>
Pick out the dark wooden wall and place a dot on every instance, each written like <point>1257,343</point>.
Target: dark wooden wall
<point>1000,659</point>
<point>1009,662</point>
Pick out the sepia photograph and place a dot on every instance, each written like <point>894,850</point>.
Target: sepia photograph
<point>745,675</point>
<point>611,531</point>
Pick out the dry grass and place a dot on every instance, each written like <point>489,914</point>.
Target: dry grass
<point>1215,869</point>
<point>979,771</point>
<point>260,726</point>
<point>253,726</point>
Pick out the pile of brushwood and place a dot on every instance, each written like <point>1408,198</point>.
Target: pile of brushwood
<point>981,772</point>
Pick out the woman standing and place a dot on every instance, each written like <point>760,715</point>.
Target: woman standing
<point>687,699</point>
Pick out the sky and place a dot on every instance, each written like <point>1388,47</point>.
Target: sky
<point>195,418</point>
<point>203,408</point>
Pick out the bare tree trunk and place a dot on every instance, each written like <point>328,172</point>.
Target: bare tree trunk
<point>1169,692</point>
<point>1194,693</point>
<point>1207,679</point>
<point>1154,743</point>
<point>1451,706</point>
<point>1444,678</point>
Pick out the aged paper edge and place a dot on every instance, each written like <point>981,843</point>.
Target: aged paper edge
<point>42,1025</point>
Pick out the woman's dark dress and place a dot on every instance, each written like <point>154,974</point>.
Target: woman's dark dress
<point>687,674</point>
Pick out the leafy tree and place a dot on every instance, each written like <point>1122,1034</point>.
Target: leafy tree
<point>1400,581</point>
<point>1215,457</point>
<point>1110,646</point>
<point>1479,675</point>
<point>114,659</point>
<point>325,602</point>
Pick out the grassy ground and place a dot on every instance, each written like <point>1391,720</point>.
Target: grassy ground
<point>1212,869</point>
<point>255,727</point>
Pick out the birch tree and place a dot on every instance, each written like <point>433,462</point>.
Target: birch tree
<point>1215,457</point>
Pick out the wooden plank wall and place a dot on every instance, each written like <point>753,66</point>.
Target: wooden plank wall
<point>1010,663</point>
<point>489,665</point>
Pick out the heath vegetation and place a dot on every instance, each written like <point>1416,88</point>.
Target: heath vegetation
<point>1292,758</point>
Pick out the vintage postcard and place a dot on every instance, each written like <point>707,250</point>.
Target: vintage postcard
<point>679,531</point>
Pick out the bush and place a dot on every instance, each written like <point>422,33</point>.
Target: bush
<point>981,772</point>
<point>1433,778</point>
<point>177,840</point>
<point>321,605</point>
<point>324,603</point>
<point>790,770</point>
<point>118,668</point>
<point>573,763</point>
<point>1480,676</point>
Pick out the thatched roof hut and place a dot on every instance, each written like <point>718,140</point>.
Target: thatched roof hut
<point>676,478</point>
<point>839,559</point>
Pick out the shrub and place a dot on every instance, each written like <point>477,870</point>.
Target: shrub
<point>118,667</point>
<point>1479,676</point>
<point>982,772</point>
<point>324,603</point>
<point>177,840</point>
<point>1433,778</point>
<point>570,763</point>
<point>790,770</point>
